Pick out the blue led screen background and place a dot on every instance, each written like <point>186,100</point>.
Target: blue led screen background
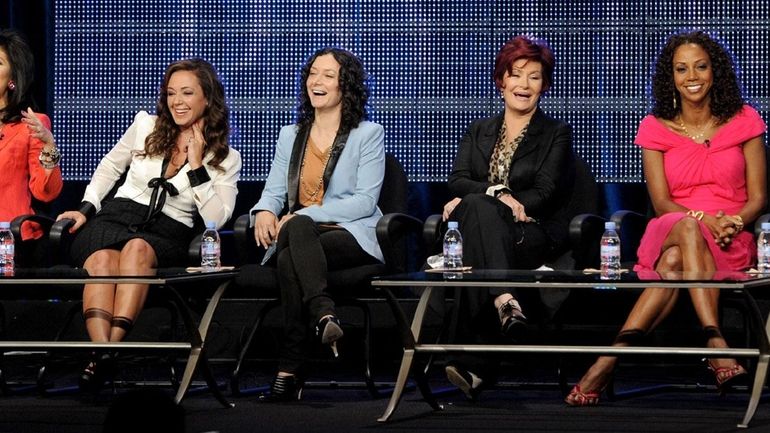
<point>429,63</point>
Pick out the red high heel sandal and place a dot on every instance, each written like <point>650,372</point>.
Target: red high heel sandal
<point>726,377</point>
<point>579,398</point>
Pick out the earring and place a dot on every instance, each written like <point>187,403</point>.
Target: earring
<point>674,93</point>
<point>11,85</point>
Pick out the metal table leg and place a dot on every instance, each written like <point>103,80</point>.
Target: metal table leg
<point>197,341</point>
<point>410,337</point>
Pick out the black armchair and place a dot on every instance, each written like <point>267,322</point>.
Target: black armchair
<point>585,228</point>
<point>346,286</point>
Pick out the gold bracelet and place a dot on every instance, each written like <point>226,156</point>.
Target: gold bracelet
<point>698,215</point>
<point>49,158</point>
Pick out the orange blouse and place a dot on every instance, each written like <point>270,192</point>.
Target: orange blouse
<point>22,177</point>
<point>311,187</point>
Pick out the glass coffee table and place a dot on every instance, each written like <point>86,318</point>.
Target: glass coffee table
<point>738,282</point>
<point>176,285</point>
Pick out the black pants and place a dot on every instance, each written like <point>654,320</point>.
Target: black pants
<point>492,239</point>
<point>305,253</point>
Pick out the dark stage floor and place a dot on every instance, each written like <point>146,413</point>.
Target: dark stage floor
<point>509,407</point>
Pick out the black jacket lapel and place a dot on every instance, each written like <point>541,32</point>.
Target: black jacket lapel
<point>337,147</point>
<point>530,142</point>
<point>487,141</point>
<point>295,165</point>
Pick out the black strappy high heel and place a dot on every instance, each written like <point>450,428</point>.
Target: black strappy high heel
<point>99,370</point>
<point>283,389</point>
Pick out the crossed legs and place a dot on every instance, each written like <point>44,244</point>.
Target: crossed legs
<point>684,250</point>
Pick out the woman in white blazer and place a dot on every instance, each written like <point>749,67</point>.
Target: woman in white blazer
<point>179,167</point>
<point>318,210</point>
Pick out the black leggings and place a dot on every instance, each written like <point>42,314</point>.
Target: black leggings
<point>305,253</point>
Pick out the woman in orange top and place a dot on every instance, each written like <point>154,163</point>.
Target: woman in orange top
<point>29,160</point>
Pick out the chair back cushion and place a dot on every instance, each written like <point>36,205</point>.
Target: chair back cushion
<point>393,196</point>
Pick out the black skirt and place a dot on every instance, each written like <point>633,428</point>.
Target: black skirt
<point>109,229</point>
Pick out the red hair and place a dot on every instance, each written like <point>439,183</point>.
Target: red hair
<point>521,47</point>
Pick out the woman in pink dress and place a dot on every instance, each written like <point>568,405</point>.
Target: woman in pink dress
<point>704,163</point>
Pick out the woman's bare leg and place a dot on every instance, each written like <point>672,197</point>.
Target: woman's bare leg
<point>653,305</point>
<point>706,304</point>
<point>136,258</point>
<point>98,299</point>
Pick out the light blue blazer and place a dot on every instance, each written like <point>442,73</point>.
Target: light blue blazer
<point>350,198</point>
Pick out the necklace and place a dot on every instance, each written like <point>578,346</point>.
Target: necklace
<point>312,194</point>
<point>700,136</point>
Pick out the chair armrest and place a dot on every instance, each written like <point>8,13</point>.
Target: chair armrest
<point>393,230</point>
<point>585,232</point>
<point>630,226</point>
<point>31,252</point>
<point>44,222</point>
<point>245,243</point>
<point>59,241</point>
<point>431,233</point>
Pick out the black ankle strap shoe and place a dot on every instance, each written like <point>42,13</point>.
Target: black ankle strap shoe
<point>283,389</point>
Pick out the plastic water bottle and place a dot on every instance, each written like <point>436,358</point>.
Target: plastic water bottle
<point>7,249</point>
<point>210,248</point>
<point>453,251</point>
<point>610,252</point>
<point>763,249</point>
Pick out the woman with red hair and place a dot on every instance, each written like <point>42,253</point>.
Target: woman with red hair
<point>512,174</point>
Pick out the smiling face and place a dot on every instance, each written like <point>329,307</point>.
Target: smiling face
<point>323,83</point>
<point>693,75</point>
<point>522,87</point>
<point>185,98</point>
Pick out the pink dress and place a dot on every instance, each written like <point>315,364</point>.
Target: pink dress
<point>708,177</point>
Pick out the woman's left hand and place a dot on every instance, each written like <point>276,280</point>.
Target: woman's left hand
<point>516,207</point>
<point>728,228</point>
<point>36,127</point>
<point>196,145</point>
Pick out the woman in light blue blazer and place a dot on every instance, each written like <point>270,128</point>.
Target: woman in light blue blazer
<point>318,210</point>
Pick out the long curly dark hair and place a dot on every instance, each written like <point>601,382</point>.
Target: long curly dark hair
<point>353,87</point>
<point>216,131</point>
<point>726,98</point>
<point>22,73</point>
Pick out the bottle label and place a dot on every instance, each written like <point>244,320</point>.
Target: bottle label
<point>209,248</point>
<point>455,250</point>
<point>610,251</point>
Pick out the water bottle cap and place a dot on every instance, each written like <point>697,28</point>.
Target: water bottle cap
<point>609,225</point>
<point>452,224</point>
<point>766,226</point>
<point>5,225</point>
<point>211,224</point>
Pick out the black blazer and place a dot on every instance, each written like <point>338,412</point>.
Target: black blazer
<point>542,171</point>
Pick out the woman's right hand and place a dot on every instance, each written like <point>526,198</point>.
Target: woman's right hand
<point>74,215</point>
<point>265,228</point>
<point>450,207</point>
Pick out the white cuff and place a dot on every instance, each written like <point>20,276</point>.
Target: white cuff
<point>492,191</point>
